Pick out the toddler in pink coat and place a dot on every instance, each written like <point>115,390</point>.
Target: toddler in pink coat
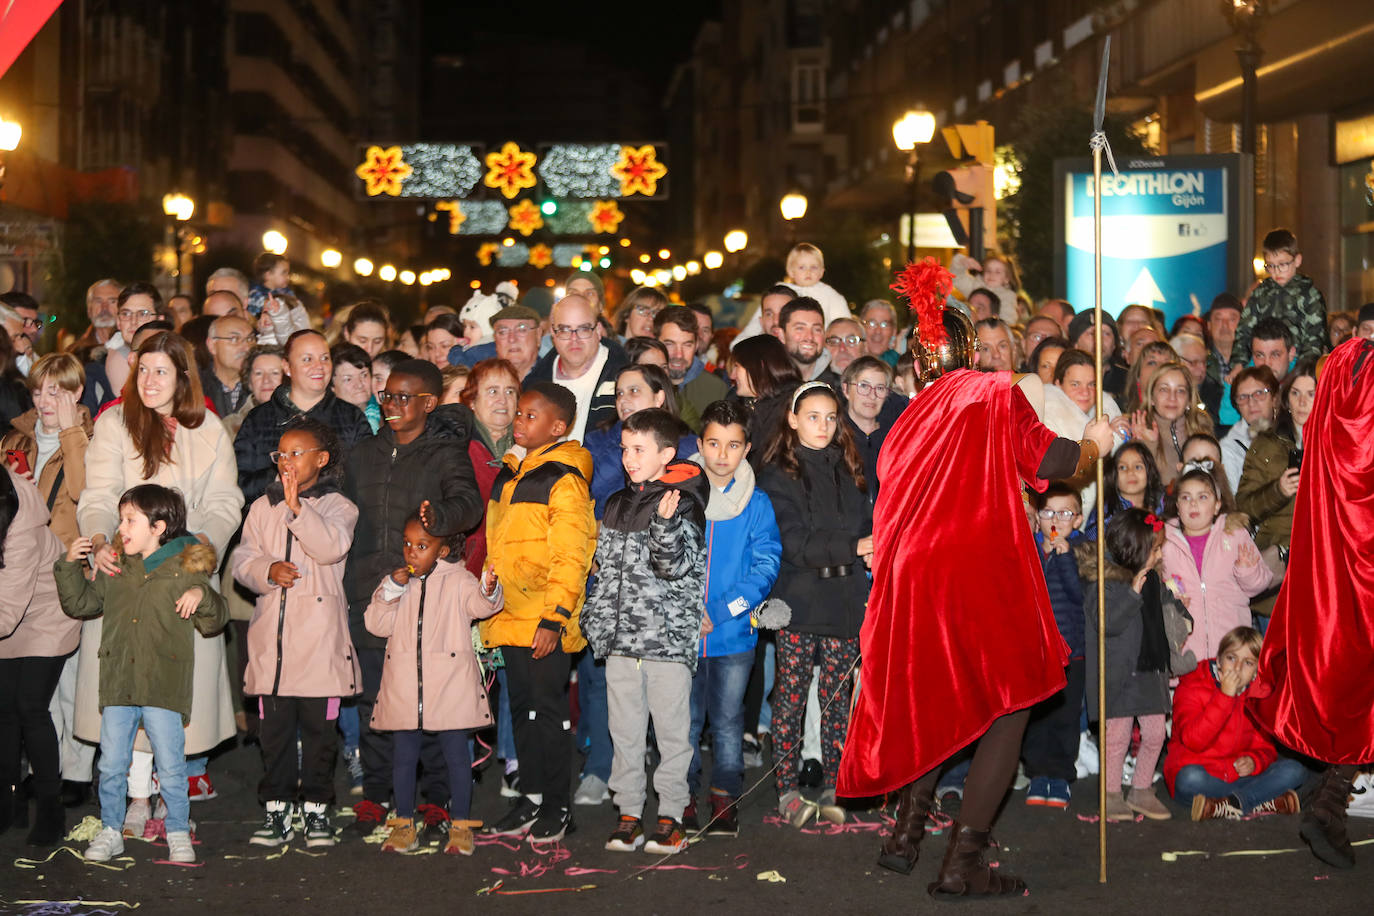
<point>1213,570</point>
<point>431,681</point>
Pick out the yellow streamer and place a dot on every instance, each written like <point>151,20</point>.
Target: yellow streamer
<point>34,863</point>
<point>124,903</point>
<point>1175,855</point>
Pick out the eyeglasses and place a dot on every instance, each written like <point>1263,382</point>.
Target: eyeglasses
<point>1062,514</point>
<point>1279,266</point>
<point>581,331</point>
<point>33,322</point>
<point>874,325</point>
<point>294,453</point>
<point>508,330</point>
<point>237,339</point>
<point>867,388</point>
<point>1257,393</point>
<point>852,340</point>
<point>399,398</point>
<point>646,311</point>
<point>141,314</point>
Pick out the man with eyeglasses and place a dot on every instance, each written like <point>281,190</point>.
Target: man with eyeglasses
<point>581,362</point>
<point>138,304</point>
<point>1192,352</point>
<point>1286,295</point>
<point>676,328</point>
<point>879,320</point>
<point>229,341</point>
<point>19,316</point>
<point>844,341</point>
<point>1254,397</point>
<point>869,412</point>
<point>1038,328</point>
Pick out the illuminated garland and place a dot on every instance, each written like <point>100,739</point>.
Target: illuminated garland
<point>456,216</point>
<point>638,170</point>
<point>563,254</point>
<point>485,251</point>
<point>441,170</point>
<point>383,171</point>
<point>517,255</point>
<point>484,217</point>
<point>580,170</point>
<point>541,256</point>
<point>510,171</point>
<point>605,216</point>
<point>525,217</point>
<point>570,218</point>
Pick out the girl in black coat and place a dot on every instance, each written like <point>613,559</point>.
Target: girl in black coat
<point>814,476</point>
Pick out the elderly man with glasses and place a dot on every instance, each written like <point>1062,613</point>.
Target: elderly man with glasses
<point>229,341</point>
<point>581,362</point>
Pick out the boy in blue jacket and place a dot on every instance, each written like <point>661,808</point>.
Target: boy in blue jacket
<point>1051,743</point>
<point>743,550</point>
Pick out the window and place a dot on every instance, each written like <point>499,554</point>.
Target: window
<point>808,97</point>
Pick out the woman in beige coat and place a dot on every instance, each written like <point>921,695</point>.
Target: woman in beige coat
<point>160,432</point>
<point>35,638</point>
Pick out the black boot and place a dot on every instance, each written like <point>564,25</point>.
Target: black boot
<point>1323,823</point>
<point>74,794</point>
<point>963,872</point>
<point>901,846</point>
<point>49,822</point>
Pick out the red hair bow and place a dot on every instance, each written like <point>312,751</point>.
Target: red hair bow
<point>1155,522</point>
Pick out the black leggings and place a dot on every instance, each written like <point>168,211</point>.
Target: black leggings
<point>990,774</point>
<point>26,688</point>
<point>457,758</point>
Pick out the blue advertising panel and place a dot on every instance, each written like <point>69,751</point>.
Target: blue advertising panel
<point>1175,232</point>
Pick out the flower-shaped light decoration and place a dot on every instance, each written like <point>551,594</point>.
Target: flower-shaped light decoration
<point>456,216</point>
<point>525,217</point>
<point>383,170</point>
<point>638,170</point>
<point>510,171</point>
<point>541,256</point>
<point>605,216</point>
<point>485,252</point>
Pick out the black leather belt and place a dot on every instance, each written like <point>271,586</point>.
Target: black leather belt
<point>830,572</point>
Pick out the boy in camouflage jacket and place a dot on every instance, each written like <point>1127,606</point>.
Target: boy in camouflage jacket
<point>1287,295</point>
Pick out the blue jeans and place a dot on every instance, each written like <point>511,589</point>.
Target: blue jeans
<point>349,727</point>
<point>718,692</point>
<point>770,665</point>
<point>118,727</point>
<point>1280,776</point>
<point>593,721</point>
<point>196,766</point>
<point>505,731</point>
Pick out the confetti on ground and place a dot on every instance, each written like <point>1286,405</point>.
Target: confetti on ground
<point>772,876</point>
<point>1175,855</point>
<point>126,862</point>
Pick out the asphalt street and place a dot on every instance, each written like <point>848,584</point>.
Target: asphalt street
<point>1174,867</point>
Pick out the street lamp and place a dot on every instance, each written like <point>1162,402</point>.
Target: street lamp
<point>387,273</point>
<point>178,206</point>
<point>331,258</point>
<point>736,240</point>
<point>274,241</point>
<point>1246,17</point>
<point>362,267</point>
<point>407,277</point>
<point>793,205</point>
<point>712,259</point>
<point>10,132</point>
<point>909,132</point>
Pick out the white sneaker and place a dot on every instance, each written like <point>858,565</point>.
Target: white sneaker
<point>591,791</point>
<point>107,844</point>
<point>179,848</point>
<point>136,818</point>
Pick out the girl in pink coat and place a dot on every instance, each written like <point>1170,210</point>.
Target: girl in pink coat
<point>1214,571</point>
<point>300,657</point>
<point>431,681</point>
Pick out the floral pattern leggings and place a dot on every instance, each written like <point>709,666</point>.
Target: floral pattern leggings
<point>797,653</point>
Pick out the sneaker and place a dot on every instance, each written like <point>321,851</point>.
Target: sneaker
<point>518,819</point>
<point>510,784</point>
<point>753,752</point>
<point>1057,795</point>
<point>179,848</point>
<point>136,817</point>
<point>277,828</point>
<point>1146,802</point>
<point>318,830</point>
<point>811,774</point>
<point>1287,803</point>
<point>107,844</point>
<point>368,816</point>
<point>668,838</point>
<point>828,810</point>
<point>460,839</point>
<point>403,837</point>
<point>627,836</point>
<point>1021,782</point>
<point>354,761</point>
<point>1117,810</point>
<point>689,815</point>
<point>795,809</point>
<point>591,791</point>
<point>200,788</point>
<point>724,817</point>
<point>1038,793</point>
<point>1216,809</point>
<point>551,825</point>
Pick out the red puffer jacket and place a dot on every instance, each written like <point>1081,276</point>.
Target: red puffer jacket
<point>1211,730</point>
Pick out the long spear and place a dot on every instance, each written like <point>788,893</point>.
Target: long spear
<point>1098,143</point>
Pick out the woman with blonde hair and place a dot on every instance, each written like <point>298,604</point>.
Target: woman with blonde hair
<point>1171,412</point>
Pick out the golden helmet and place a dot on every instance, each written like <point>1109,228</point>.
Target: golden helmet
<point>956,351</point>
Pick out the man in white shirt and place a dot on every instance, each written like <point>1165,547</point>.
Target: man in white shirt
<point>581,362</point>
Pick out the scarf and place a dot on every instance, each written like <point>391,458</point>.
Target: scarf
<point>1154,644</point>
<point>497,447</point>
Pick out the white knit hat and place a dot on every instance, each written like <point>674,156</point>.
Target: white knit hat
<point>479,310</point>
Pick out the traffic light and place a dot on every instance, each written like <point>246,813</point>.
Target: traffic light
<point>971,205</point>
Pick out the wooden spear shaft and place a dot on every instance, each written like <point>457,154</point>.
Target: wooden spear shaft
<point>1101,535</point>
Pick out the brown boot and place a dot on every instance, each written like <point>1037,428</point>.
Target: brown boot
<point>1287,803</point>
<point>963,872</point>
<point>1323,825</point>
<point>900,847</point>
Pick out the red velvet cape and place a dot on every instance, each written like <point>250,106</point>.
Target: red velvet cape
<point>1317,663</point>
<point>959,629</point>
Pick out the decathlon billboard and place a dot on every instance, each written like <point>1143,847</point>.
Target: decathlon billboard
<point>1176,230</point>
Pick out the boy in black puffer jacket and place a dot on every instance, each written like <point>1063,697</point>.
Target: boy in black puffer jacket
<point>645,620</point>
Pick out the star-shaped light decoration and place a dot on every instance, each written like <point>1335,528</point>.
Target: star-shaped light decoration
<point>456,216</point>
<point>486,251</point>
<point>638,170</point>
<point>383,170</point>
<point>525,217</point>
<point>510,171</point>
<point>541,256</point>
<point>605,216</point>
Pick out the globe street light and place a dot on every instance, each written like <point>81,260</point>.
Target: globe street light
<point>1246,17</point>
<point>909,132</point>
<point>736,240</point>
<point>10,132</point>
<point>712,259</point>
<point>274,241</point>
<point>362,267</point>
<point>331,258</point>
<point>793,205</point>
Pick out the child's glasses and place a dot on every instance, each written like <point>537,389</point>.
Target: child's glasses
<point>400,398</point>
<point>1062,514</point>
<point>277,456</point>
